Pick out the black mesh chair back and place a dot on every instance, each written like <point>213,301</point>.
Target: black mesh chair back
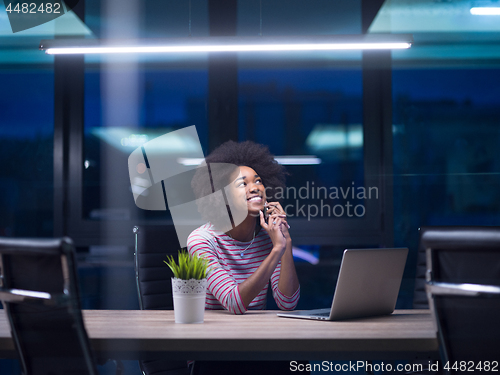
<point>467,321</point>
<point>154,285</point>
<point>463,286</point>
<point>463,254</point>
<point>39,291</point>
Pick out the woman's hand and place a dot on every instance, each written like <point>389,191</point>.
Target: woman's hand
<point>274,228</point>
<point>288,283</point>
<point>274,208</point>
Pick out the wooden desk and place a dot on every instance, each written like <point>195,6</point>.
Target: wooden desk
<point>132,334</point>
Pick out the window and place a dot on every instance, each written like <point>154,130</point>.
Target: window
<point>446,163</point>
<point>312,117</point>
<point>125,108</point>
<point>26,135</point>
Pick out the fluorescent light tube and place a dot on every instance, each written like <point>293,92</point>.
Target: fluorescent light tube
<point>227,48</point>
<point>298,160</point>
<point>228,44</point>
<point>485,11</point>
<point>284,160</point>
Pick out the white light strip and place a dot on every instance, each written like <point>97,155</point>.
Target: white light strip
<point>485,11</point>
<point>298,160</point>
<point>284,160</point>
<point>227,48</point>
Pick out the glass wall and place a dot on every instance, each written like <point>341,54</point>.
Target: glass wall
<point>125,107</point>
<point>446,161</point>
<point>26,157</point>
<point>312,117</point>
<point>306,107</point>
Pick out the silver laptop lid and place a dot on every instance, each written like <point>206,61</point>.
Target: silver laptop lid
<point>368,282</point>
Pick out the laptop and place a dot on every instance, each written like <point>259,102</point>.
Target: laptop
<point>368,285</point>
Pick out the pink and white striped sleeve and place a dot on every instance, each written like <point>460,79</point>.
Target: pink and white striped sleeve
<point>283,301</point>
<point>220,283</point>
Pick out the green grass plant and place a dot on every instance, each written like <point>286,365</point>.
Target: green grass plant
<point>188,267</point>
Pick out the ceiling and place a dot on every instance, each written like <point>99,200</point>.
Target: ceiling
<point>22,47</point>
<point>445,33</point>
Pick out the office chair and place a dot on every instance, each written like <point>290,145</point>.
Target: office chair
<point>419,292</point>
<point>154,285</point>
<point>463,287</point>
<point>39,291</point>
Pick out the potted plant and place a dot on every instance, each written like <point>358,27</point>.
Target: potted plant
<point>189,286</point>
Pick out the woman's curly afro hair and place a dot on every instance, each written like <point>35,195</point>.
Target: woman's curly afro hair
<point>249,154</point>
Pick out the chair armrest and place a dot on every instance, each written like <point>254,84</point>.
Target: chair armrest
<point>20,295</point>
<point>472,290</point>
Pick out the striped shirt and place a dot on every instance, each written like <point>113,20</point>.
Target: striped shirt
<point>227,269</point>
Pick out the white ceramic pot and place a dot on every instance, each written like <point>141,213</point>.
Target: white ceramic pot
<point>189,300</point>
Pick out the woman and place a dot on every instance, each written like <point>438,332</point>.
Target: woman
<point>252,250</point>
<point>244,258</point>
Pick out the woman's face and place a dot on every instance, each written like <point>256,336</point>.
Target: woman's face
<point>248,189</point>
